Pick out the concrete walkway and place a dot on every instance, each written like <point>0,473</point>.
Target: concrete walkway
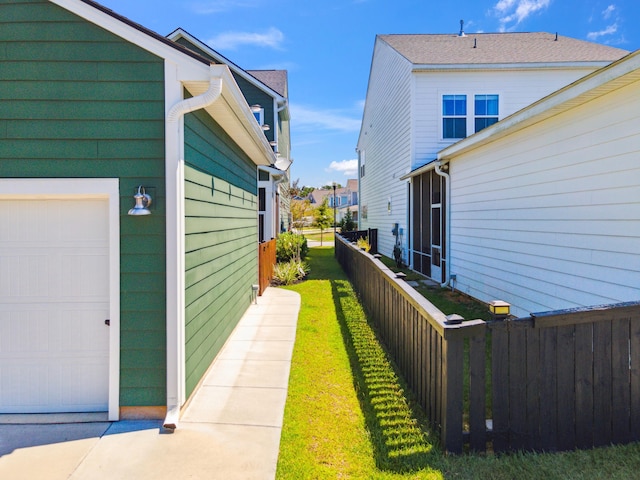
<point>230,429</point>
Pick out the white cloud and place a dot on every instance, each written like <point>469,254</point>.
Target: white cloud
<point>610,30</point>
<point>217,6</point>
<point>348,167</point>
<point>272,38</point>
<point>310,118</point>
<point>607,12</point>
<point>504,5</point>
<point>513,12</point>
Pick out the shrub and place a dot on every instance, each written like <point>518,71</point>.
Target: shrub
<point>291,246</point>
<point>287,273</point>
<point>363,244</point>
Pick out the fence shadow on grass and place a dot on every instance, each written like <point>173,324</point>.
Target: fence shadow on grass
<point>399,435</point>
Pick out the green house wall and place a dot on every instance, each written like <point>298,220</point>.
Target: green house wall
<point>77,101</point>
<point>221,237</point>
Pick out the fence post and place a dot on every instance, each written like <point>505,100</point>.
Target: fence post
<point>452,381</point>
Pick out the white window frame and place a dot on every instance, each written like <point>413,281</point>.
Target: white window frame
<point>470,116</point>
<point>476,116</point>
<point>443,117</point>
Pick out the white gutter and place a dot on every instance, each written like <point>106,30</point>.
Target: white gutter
<point>447,226</point>
<point>175,259</point>
<point>196,103</point>
<point>278,175</point>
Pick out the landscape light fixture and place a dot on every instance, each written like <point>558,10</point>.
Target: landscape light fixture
<point>143,200</point>
<point>499,309</point>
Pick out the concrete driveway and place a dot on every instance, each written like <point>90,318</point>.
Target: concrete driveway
<point>230,430</point>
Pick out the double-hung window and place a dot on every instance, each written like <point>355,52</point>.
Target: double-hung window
<point>486,111</point>
<point>454,116</point>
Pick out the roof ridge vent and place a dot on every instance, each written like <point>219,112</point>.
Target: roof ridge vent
<point>461,34</point>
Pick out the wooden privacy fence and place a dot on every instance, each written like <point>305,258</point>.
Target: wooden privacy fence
<point>557,381</point>
<point>429,352</point>
<point>266,262</point>
<point>567,379</point>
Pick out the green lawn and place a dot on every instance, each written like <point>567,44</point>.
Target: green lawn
<point>348,414</point>
<point>327,235</point>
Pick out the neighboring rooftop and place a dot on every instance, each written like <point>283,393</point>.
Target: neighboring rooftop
<point>499,48</point>
<point>274,79</point>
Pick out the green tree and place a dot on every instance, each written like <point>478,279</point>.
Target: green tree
<point>322,217</point>
<point>330,186</point>
<point>347,224</point>
<point>299,210</point>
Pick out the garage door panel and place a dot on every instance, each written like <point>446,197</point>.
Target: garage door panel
<point>84,393</point>
<point>54,300</point>
<point>78,275</point>
<point>22,333</point>
<point>24,387</point>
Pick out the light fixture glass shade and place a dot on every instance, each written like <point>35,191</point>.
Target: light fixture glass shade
<point>143,200</point>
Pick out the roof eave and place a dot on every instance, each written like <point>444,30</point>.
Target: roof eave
<point>417,67</point>
<point>232,112</point>
<point>181,33</point>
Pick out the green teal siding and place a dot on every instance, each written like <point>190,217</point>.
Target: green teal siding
<point>77,101</point>
<point>221,238</point>
<point>256,96</point>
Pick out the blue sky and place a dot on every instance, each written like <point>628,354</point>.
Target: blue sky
<point>327,46</point>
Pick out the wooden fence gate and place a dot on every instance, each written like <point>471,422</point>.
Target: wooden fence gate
<point>266,262</point>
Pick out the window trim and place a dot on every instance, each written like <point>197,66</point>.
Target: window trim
<point>470,117</point>
<point>476,116</point>
<point>444,117</point>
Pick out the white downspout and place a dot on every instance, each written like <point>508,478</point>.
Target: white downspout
<point>175,310</point>
<point>447,227</point>
<point>198,102</point>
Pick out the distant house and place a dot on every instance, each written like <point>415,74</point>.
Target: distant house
<point>100,309</point>
<point>266,91</point>
<point>427,92</point>
<point>537,206</point>
<point>346,198</point>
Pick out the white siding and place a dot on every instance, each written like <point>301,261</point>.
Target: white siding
<point>385,139</point>
<point>549,217</point>
<point>516,90</point>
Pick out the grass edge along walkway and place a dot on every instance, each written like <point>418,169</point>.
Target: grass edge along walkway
<point>348,414</point>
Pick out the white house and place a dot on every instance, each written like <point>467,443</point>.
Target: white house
<point>544,208</point>
<point>427,92</point>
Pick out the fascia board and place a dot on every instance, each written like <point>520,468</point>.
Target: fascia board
<point>509,66</point>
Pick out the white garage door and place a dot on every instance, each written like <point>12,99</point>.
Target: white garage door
<point>54,300</point>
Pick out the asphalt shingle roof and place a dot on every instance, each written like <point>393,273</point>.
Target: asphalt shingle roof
<point>499,48</point>
<point>274,79</point>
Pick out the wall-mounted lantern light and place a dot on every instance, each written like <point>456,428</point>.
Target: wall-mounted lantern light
<point>143,200</point>
<point>499,309</point>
